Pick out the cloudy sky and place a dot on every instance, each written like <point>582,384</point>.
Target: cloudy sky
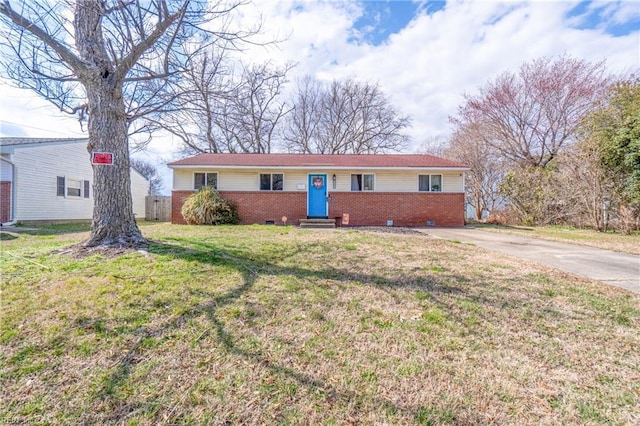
<point>424,54</point>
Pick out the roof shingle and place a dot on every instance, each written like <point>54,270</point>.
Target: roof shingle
<point>319,160</point>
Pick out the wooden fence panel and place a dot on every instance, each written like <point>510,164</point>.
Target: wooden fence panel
<point>158,208</point>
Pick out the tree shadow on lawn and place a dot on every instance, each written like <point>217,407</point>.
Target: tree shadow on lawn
<point>44,230</point>
<point>251,266</point>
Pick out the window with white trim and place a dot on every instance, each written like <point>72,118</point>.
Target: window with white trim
<point>431,183</point>
<point>271,181</point>
<point>362,182</point>
<point>205,179</point>
<point>72,188</point>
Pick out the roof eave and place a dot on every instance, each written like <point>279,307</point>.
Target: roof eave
<point>319,167</point>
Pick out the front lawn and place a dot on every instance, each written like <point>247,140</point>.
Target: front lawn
<point>271,325</point>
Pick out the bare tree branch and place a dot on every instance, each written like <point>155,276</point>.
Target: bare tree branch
<point>115,63</point>
<point>531,114</point>
<point>345,117</point>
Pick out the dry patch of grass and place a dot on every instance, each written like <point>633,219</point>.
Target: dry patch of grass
<point>585,237</point>
<point>262,325</point>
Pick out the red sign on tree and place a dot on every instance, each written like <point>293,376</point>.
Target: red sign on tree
<point>102,158</point>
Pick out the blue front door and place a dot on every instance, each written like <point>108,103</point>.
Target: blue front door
<point>317,201</point>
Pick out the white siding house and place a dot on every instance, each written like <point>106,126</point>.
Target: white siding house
<point>51,180</point>
<point>296,180</point>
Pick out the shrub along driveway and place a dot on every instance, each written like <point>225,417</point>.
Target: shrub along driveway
<point>619,269</point>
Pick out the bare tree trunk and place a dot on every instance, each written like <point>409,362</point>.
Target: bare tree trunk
<point>478,207</point>
<point>114,62</point>
<point>113,220</point>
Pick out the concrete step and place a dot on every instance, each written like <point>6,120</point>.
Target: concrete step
<point>317,223</point>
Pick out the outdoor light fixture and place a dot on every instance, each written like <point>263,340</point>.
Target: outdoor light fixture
<point>334,181</point>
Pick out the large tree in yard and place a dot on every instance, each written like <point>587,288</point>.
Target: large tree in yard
<point>343,117</point>
<point>530,117</point>
<point>112,63</point>
<point>531,114</point>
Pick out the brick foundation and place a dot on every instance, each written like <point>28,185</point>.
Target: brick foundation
<point>364,208</point>
<point>5,201</point>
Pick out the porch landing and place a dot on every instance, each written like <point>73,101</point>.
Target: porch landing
<point>317,223</point>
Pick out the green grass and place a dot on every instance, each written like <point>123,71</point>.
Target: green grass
<point>278,325</point>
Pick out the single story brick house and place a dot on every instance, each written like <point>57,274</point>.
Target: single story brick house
<point>356,190</point>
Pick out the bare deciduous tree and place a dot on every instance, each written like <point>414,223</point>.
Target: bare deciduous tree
<point>302,122</point>
<point>258,108</point>
<point>531,114</point>
<point>223,112</point>
<point>345,117</point>
<point>110,62</point>
<point>434,145</point>
<point>195,120</point>
<point>150,172</point>
<point>487,169</point>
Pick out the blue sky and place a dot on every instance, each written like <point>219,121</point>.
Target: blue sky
<point>424,54</point>
<point>380,19</point>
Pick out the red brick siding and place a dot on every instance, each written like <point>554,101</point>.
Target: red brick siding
<point>5,201</point>
<point>261,206</point>
<point>405,209</point>
<point>254,206</point>
<point>364,208</point>
<point>177,200</point>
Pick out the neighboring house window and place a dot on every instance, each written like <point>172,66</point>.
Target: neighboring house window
<point>74,188</point>
<point>431,183</point>
<point>66,187</point>
<point>362,182</point>
<point>271,181</point>
<point>205,179</point>
<point>61,186</point>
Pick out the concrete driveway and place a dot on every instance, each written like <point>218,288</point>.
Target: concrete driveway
<point>619,269</point>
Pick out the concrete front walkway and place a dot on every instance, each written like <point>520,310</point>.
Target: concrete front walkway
<point>619,269</point>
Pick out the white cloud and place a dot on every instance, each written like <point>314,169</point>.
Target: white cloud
<point>36,117</point>
<point>427,66</point>
<point>616,12</point>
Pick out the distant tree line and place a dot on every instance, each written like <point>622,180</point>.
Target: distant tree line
<point>556,142</point>
<point>231,106</point>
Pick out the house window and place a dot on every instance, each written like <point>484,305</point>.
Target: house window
<point>205,179</point>
<point>271,181</point>
<point>61,186</point>
<point>74,188</point>
<point>66,187</point>
<point>362,182</point>
<point>432,183</point>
